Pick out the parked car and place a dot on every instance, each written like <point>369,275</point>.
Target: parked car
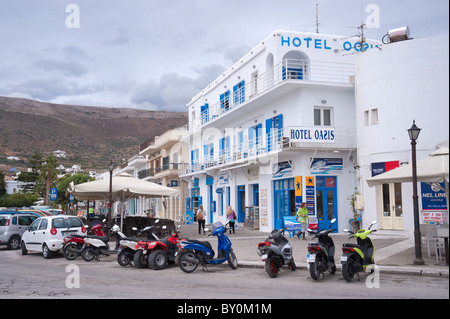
<point>12,226</point>
<point>46,234</point>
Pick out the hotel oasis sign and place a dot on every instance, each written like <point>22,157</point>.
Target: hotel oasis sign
<point>311,134</point>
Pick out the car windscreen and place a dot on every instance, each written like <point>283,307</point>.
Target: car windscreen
<point>62,222</point>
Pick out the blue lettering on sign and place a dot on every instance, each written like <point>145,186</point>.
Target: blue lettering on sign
<point>297,42</point>
<point>312,135</point>
<point>321,44</point>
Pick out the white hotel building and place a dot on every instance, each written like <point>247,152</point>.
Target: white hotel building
<point>279,128</point>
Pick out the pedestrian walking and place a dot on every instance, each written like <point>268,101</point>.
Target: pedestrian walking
<point>231,215</point>
<point>302,217</point>
<point>200,220</point>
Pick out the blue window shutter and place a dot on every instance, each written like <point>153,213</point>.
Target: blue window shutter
<point>205,150</point>
<point>192,157</point>
<point>268,134</point>
<point>242,86</point>
<point>211,149</point>
<point>250,137</point>
<point>222,101</point>
<point>221,144</point>
<point>241,140</point>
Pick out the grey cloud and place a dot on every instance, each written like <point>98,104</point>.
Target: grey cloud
<point>69,68</point>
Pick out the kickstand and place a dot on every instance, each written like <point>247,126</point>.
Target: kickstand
<point>205,268</point>
<point>357,274</point>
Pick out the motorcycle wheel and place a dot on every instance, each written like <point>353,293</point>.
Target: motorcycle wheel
<point>314,270</point>
<point>140,260</point>
<point>292,265</point>
<point>185,265</point>
<point>70,251</point>
<point>157,259</point>
<point>124,258</point>
<point>332,270</point>
<point>271,267</point>
<point>88,254</point>
<point>348,271</point>
<point>232,260</point>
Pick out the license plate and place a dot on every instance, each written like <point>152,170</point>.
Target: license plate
<point>311,258</point>
<point>264,257</point>
<point>65,233</point>
<point>343,258</point>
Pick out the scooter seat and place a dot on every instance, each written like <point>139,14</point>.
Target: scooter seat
<point>203,243</point>
<point>104,239</point>
<point>350,245</point>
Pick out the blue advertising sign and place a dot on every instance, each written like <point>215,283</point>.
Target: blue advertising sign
<point>433,198</point>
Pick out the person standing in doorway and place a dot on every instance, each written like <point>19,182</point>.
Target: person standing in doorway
<point>231,215</point>
<point>302,212</point>
<point>200,220</point>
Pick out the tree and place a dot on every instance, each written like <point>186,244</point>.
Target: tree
<point>2,184</point>
<point>48,174</point>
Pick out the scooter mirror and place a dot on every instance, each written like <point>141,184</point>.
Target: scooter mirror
<point>374,222</point>
<point>164,227</point>
<point>157,221</point>
<point>345,230</point>
<point>104,220</point>
<point>309,230</point>
<point>86,226</point>
<point>179,226</point>
<point>206,229</point>
<point>134,228</point>
<point>333,220</point>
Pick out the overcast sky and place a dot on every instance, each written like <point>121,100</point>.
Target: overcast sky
<point>157,54</point>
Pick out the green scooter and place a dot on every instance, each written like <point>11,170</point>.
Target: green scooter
<point>357,257</point>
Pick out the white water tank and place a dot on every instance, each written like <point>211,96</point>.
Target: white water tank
<point>399,34</point>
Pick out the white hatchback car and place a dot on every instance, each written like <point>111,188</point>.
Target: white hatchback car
<point>46,234</point>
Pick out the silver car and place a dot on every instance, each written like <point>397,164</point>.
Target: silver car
<point>12,226</point>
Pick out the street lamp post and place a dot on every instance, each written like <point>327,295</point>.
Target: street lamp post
<point>414,132</point>
<point>111,167</point>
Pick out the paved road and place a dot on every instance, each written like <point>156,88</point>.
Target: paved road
<point>32,276</point>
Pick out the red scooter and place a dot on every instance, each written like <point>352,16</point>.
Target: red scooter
<point>72,245</point>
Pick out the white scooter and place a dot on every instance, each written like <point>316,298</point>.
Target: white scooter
<point>98,245</point>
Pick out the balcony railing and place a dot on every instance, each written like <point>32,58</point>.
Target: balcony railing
<point>254,149</point>
<point>299,71</point>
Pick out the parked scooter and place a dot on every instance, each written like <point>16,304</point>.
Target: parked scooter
<point>195,252</point>
<point>98,245</point>
<point>73,244</point>
<point>129,245</point>
<point>276,253</point>
<point>321,254</point>
<point>357,257</point>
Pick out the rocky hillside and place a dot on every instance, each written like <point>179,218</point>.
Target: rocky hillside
<point>91,136</point>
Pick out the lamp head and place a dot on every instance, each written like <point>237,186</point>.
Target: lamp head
<point>414,132</point>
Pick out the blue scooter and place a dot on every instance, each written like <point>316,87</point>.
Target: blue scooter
<point>194,252</point>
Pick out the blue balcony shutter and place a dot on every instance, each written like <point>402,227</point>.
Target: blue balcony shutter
<point>241,140</point>
<point>242,89</point>
<point>205,150</point>
<point>268,134</point>
<point>250,137</point>
<point>235,95</point>
<point>258,137</point>
<point>211,150</point>
<point>280,126</point>
<point>221,144</point>
<point>192,157</point>
<point>222,101</point>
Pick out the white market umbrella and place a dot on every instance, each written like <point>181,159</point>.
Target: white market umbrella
<point>123,187</point>
<point>432,169</point>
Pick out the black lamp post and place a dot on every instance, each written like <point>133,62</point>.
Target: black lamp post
<point>111,168</point>
<point>414,132</point>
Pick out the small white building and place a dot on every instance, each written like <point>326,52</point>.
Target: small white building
<point>402,82</point>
